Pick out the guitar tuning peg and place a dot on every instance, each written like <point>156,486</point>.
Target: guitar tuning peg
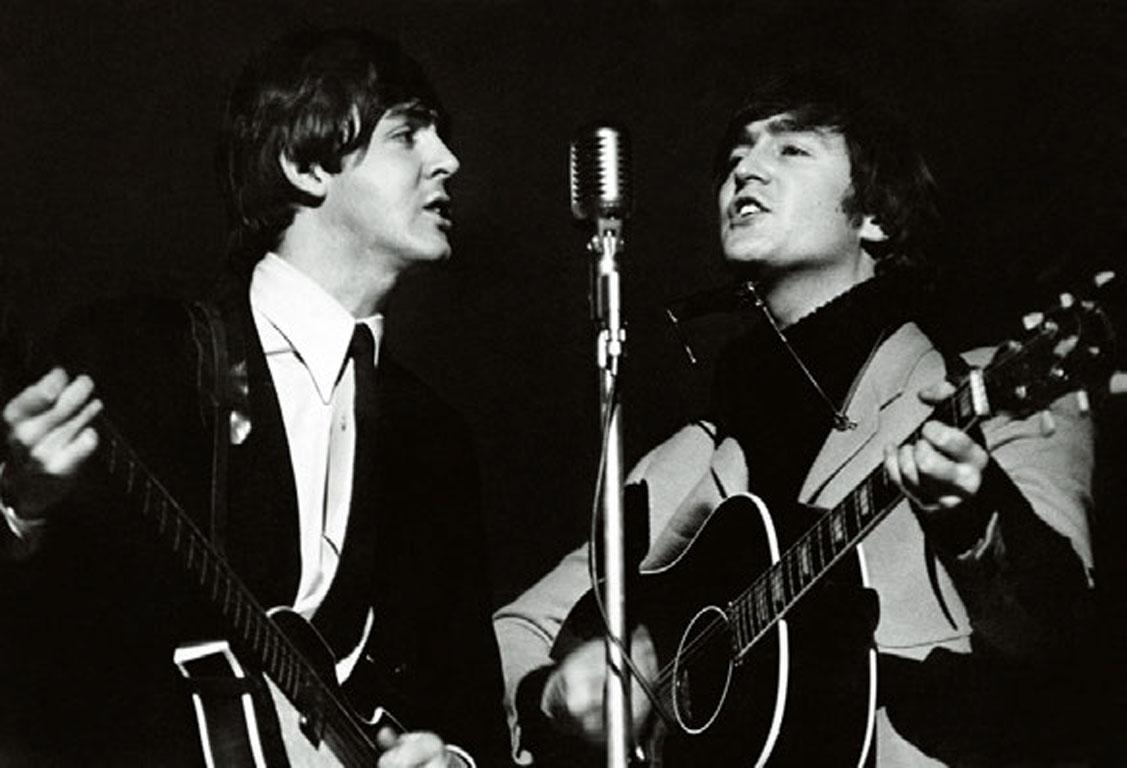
<point>1048,424</point>
<point>1103,278</point>
<point>1032,320</point>
<point>1083,404</point>
<point>1066,300</point>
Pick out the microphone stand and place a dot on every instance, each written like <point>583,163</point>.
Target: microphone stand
<point>607,310</point>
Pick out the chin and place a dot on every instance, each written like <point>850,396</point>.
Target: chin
<point>743,247</point>
<point>443,252</point>
<point>437,251</point>
<point>744,258</point>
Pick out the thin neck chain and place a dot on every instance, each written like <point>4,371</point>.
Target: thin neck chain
<point>841,422</point>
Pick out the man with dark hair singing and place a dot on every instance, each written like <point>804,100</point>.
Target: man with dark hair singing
<point>319,474</point>
<point>981,568</point>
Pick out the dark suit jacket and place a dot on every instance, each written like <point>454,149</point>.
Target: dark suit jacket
<point>90,621</point>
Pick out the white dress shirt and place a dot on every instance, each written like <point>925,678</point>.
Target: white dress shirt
<point>305,334</point>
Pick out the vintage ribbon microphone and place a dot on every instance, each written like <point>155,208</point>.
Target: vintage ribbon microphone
<point>599,173</point>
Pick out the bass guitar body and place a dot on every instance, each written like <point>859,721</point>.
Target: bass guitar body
<point>800,693</point>
<point>246,720</point>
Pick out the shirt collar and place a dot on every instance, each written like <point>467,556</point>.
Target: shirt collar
<point>303,319</point>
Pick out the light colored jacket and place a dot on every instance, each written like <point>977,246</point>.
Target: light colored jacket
<point>1053,470</point>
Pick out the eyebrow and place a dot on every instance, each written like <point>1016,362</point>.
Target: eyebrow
<point>778,126</point>
<point>413,111</point>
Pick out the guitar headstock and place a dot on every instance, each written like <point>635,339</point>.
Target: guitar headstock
<point>1067,347</point>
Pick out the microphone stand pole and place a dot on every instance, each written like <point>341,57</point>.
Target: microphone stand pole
<point>607,310</point>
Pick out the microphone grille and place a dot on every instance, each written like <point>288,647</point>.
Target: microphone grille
<point>599,173</point>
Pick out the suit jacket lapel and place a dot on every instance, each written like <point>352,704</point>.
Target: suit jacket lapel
<point>881,383</point>
<point>263,538</point>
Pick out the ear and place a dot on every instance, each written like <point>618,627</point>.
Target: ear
<point>871,230</point>
<point>313,180</point>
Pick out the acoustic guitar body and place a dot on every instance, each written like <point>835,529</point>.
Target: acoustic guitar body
<point>801,694</point>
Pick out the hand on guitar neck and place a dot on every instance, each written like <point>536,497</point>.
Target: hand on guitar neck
<point>49,437</point>
<point>573,694</point>
<point>941,471</point>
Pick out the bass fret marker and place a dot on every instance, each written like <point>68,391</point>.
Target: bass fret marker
<point>805,566</point>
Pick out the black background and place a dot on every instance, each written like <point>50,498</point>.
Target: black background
<point>108,127</point>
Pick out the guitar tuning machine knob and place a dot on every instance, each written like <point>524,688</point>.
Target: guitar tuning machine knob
<point>1032,320</point>
<point>1048,424</point>
<point>1066,300</point>
<point>1083,404</point>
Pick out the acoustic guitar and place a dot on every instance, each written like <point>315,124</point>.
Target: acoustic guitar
<point>780,668</point>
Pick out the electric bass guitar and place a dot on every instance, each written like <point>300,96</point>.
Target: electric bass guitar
<point>781,668</point>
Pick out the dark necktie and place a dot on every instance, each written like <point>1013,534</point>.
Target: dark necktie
<point>342,614</point>
<point>362,350</point>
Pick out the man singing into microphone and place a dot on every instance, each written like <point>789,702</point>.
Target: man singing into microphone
<point>345,489</point>
<point>982,572</point>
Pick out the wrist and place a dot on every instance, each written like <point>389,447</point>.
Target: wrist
<point>959,529</point>
<point>14,508</point>
<point>963,528</point>
<point>20,537</point>
<point>533,710</point>
<point>7,497</point>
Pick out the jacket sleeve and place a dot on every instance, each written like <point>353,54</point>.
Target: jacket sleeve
<point>1025,573</point>
<point>676,472</point>
<point>526,629</point>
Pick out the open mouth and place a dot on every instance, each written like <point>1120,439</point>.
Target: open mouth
<point>746,207</point>
<point>441,208</point>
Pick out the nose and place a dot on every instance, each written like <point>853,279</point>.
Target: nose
<point>444,162</point>
<point>750,167</point>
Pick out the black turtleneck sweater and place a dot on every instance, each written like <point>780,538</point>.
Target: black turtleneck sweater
<point>762,398</point>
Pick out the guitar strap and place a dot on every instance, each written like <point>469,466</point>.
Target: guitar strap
<point>212,371</point>
<point>237,720</point>
<point>224,399</point>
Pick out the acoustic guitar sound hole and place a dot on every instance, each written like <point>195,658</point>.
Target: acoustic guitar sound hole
<point>702,670</point>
